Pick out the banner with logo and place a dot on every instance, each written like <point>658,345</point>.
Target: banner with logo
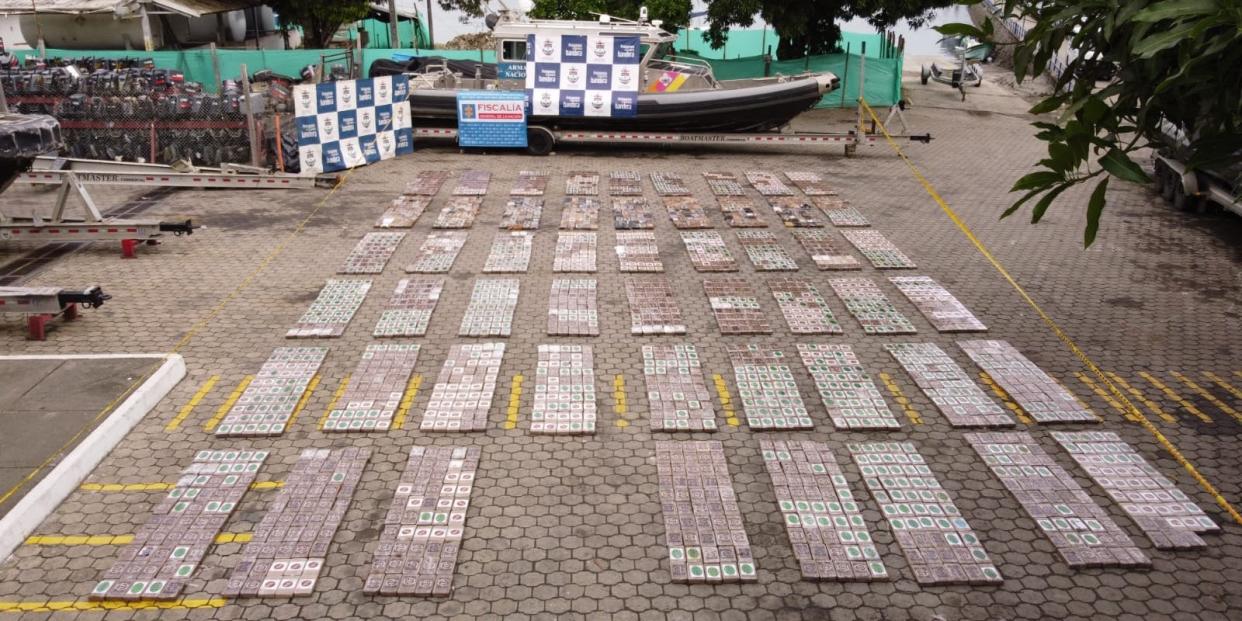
<point>582,75</point>
<point>491,119</point>
<point>349,123</point>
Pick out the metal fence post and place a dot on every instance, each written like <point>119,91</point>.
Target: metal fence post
<point>862,85</point>
<point>215,67</point>
<point>148,37</point>
<point>252,125</point>
<point>845,77</point>
<point>394,33</point>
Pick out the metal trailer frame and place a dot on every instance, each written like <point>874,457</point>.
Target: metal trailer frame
<point>542,140</point>
<point>73,175</point>
<point>42,304</point>
<point>1187,190</point>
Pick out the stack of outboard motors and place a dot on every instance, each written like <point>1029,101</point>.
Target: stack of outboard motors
<point>126,108</point>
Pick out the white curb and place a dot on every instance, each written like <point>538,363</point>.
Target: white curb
<point>44,497</point>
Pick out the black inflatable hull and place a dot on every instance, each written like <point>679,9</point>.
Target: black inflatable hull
<point>749,109</point>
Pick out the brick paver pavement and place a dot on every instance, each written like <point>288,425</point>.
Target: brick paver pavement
<point>571,527</point>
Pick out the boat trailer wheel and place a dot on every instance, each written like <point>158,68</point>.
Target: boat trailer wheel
<point>539,140</point>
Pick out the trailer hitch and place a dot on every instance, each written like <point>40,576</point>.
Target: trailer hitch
<point>90,297</point>
<point>925,138</point>
<point>177,228</point>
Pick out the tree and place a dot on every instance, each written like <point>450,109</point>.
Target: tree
<point>319,19</point>
<point>1175,61</point>
<point>810,26</point>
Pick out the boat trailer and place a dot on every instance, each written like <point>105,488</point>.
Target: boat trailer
<point>42,304</point>
<point>542,140</point>
<point>73,175</point>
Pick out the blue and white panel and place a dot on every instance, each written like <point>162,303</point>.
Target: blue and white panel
<point>582,75</point>
<point>349,123</point>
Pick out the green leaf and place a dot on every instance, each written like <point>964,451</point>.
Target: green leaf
<point>1094,110</point>
<point>1175,9</point>
<point>1163,40</point>
<point>960,30</point>
<point>1119,165</point>
<point>1037,179</point>
<point>1048,105</point>
<point>1095,207</point>
<point>1042,206</point>
<point>1021,61</point>
<point>1062,156</point>
<point>1014,207</point>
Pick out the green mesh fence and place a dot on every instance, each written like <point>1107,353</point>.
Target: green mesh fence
<point>883,76</point>
<point>378,36</point>
<point>747,42</point>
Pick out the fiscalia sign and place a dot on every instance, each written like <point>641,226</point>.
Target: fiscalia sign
<point>491,118</point>
<point>501,110</point>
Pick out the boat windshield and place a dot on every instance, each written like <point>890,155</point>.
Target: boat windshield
<point>513,50</point>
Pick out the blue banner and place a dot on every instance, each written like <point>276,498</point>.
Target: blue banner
<point>491,119</point>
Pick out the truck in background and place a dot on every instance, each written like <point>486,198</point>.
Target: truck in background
<point>1200,190</point>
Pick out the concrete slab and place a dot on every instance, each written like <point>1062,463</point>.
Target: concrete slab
<point>22,375</point>
<point>49,402</point>
<point>84,384</point>
<point>69,445</point>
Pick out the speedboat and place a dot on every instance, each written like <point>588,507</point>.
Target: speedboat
<point>675,94</point>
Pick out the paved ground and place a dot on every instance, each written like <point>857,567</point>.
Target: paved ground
<point>572,526</point>
<point>44,404</point>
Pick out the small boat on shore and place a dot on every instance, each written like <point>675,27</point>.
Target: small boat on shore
<point>674,94</point>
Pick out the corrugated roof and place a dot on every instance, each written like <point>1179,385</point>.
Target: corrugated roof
<point>382,7</point>
<point>189,8</point>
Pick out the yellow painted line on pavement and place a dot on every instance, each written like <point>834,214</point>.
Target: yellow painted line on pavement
<point>193,403</point>
<point>1049,322</point>
<point>141,378</point>
<point>619,400</point>
<point>902,400</point>
<point>1211,398</point>
<point>267,260</point>
<point>64,448</point>
<point>306,396</point>
<point>115,540</point>
<point>1099,392</point>
<point>161,486</point>
<point>1142,398</point>
<point>726,401</point>
<point>515,401</point>
<point>1178,399</point>
<point>87,605</point>
<point>1220,381</point>
<point>126,487</point>
<point>407,400</point>
<point>228,403</point>
<point>336,396</point>
<point>1001,394</point>
<point>79,540</point>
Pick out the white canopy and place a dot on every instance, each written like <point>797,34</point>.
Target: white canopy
<point>188,8</point>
